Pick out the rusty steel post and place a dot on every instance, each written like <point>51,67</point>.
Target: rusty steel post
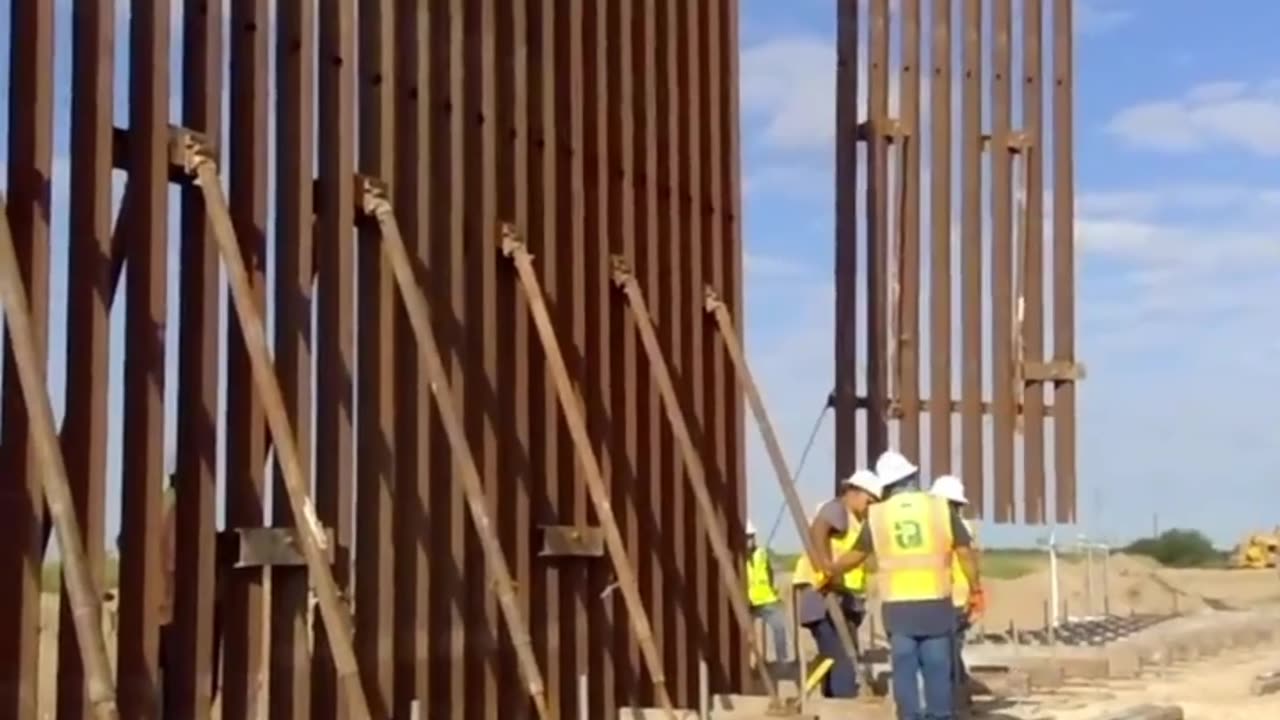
<point>908,303</point>
<point>971,262</point>
<point>514,249</point>
<point>940,265</point>
<point>729,574</point>
<point>846,254</point>
<point>84,598</point>
<point>314,540</point>
<point>746,382</point>
<point>1064,308</point>
<point>376,205</point>
<point>1001,155</point>
<point>877,200</point>
<point>1031,265</point>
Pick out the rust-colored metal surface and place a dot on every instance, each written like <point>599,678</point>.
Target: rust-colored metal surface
<point>985,230</point>
<point>596,129</point>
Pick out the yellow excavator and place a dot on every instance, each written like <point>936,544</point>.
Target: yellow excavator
<point>1258,551</point>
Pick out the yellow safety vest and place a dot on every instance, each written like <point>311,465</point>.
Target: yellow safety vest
<point>759,585</point>
<point>960,583</point>
<point>913,546</point>
<point>856,579</point>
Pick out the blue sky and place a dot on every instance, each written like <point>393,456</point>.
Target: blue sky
<point>1178,257</point>
<point>1177,217</point>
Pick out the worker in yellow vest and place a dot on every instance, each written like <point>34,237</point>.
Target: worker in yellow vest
<point>765,604</point>
<point>968,605</point>
<point>829,527</point>
<point>853,586</point>
<point>914,536</point>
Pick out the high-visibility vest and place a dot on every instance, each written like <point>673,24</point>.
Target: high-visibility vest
<point>913,546</point>
<point>960,583</point>
<point>759,583</point>
<point>856,579</point>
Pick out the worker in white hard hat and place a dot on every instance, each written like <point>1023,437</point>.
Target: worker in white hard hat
<point>968,605</point>
<point>832,528</point>
<point>763,596</point>
<point>914,536</point>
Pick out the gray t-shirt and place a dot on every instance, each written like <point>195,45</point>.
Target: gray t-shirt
<point>809,605</point>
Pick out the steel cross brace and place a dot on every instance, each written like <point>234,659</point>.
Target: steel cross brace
<point>746,382</point>
<point>732,580</point>
<point>375,203</point>
<point>200,164</point>
<point>514,249</point>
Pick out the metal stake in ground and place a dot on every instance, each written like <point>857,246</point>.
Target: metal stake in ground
<point>84,598</point>
<point>747,383</point>
<point>313,540</point>
<point>375,204</point>
<point>729,575</point>
<point>513,248</point>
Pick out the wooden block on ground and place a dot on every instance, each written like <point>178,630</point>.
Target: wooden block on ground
<point>1145,712</point>
<point>1265,684</point>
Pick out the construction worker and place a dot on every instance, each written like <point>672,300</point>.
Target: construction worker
<point>853,589</point>
<point>830,524</point>
<point>914,536</point>
<point>968,606</point>
<point>765,604</point>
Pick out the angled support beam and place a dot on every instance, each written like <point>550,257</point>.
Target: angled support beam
<point>375,204</point>
<point>747,384</point>
<point>313,540</point>
<point>85,600</point>
<point>730,576</point>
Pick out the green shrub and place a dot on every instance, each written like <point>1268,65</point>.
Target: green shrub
<point>1178,548</point>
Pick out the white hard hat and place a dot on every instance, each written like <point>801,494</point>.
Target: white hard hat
<point>949,487</point>
<point>892,467</point>
<point>867,481</point>
<point>751,528</point>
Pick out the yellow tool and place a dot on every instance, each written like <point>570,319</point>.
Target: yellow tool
<point>819,672</point>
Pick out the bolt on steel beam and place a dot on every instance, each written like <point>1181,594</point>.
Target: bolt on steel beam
<point>625,281</point>
<point>314,539</point>
<point>514,249</point>
<point>376,205</point>
<point>85,600</point>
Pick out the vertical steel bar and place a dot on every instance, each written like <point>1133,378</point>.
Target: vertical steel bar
<point>940,101</point>
<point>592,475</point>
<point>495,563</point>
<point>606,652</point>
<point>21,509</point>
<point>648,468</point>
<point>846,260</point>
<point>143,457</point>
<point>335,311</point>
<point>84,595</point>
<point>375,359</point>
<point>244,682</point>
<point>552,586</point>
<point>1032,260</point>
<point>665,272</point>
<point>189,670</point>
<point>730,576</point>
<point>512,175</point>
<point>1002,376</point>
<point>290,691</point>
<point>311,534</point>
<point>908,341</point>
<point>877,199</point>
<point>413,420</point>
<point>1064,273</point>
<point>89,292</point>
<point>570,58</point>
<point>971,263</point>
<point>625,393</point>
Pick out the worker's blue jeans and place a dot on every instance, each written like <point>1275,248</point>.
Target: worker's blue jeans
<point>775,617</point>
<point>931,656</point>
<point>842,680</point>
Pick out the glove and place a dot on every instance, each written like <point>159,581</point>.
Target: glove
<point>977,604</point>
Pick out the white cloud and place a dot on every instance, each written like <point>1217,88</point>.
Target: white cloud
<point>1230,114</point>
<point>1098,16</point>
